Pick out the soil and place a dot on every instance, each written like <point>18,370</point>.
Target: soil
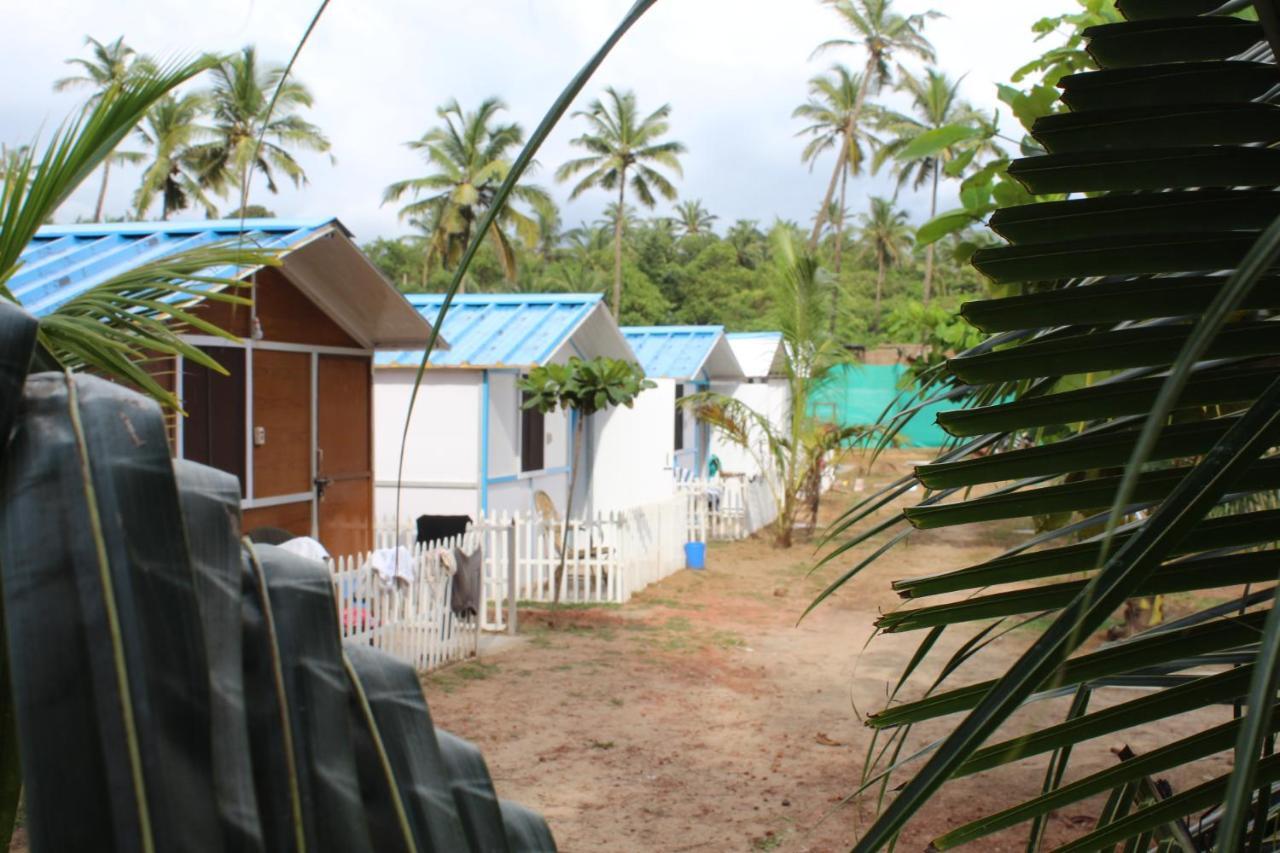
<point>707,715</point>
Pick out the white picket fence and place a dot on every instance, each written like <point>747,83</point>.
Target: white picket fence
<point>412,619</point>
<point>608,558</point>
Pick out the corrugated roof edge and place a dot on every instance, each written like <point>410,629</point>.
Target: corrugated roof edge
<point>746,336</point>
<point>661,330</point>
<point>192,226</point>
<point>505,298</point>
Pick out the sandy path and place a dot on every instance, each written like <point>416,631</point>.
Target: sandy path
<point>701,717</point>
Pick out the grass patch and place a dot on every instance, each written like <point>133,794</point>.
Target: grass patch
<point>728,640</point>
<point>616,702</point>
<point>678,623</point>
<point>548,607</point>
<point>450,678</point>
<point>601,744</point>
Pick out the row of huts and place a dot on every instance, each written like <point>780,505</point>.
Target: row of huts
<point>311,412</point>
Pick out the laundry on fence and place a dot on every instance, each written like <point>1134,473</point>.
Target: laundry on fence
<point>436,528</point>
<point>467,581</point>
<point>392,565</point>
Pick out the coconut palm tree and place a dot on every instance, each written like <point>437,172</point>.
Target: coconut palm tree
<point>881,33</point>
<point>240,104</point>
<point>623,144</point>
<point>170,129</point>
<point>471,154</point>
<point>693,218</point>
<point>748,243</point>
<point>886,236</point>
<point>935,104</point>
<point>834,111</point>
<point>109,67</point>
<point>611,219</point>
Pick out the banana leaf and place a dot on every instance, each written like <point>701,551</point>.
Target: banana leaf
<point>107,660</point>
<point>411,769</point>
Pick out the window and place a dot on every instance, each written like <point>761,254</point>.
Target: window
<point>679,445</point>
<point>213,431</point>
<point>533,429</point>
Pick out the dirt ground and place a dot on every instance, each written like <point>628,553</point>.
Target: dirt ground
<point>701,716</point>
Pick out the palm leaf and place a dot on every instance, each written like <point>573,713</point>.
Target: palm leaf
<point>1130,386</point>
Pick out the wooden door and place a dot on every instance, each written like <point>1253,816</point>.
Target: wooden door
<point>344,453</point>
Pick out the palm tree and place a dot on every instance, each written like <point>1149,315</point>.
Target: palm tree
<point>935,104</point>
<point>887,236</point>
<point>833,111</point>
<point>694,218</point>
<point>882,33</point>
<point>110,66</point>
<point>239,102</point>
<point>169,130</point>
<point>612,220</point>
<point>622,145</point>
<point>471,154</point>
<point>748,243</point>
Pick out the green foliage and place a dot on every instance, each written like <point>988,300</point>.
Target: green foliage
<point>471,157</point>
<point>584,386</point>
<point>624,146</point>
<point>1128,396</point>
<point>256,126</point>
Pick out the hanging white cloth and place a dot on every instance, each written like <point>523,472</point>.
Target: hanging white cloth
<point>392,564</point>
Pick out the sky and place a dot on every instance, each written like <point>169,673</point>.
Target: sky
<point>732,70</point>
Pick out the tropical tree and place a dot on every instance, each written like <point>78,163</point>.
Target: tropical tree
<point>886,236</point>
<point>748,241</point>
<point>622,144</point>
<point>1127,397</point>
<point>834,113</point>
<point>470,153</point>
<point>109,67</point>
<point>618,219</point>
<point>584,387</point>
<point>694,218</point>
<point>794,452</point>
<point>170,130</point>
<point>941,130</point>
<point>882,34</point>
<point>240,103</point>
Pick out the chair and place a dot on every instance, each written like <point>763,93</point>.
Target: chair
<point>550,517</point>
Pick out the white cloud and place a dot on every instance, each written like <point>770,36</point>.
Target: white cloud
<point>732,69</point>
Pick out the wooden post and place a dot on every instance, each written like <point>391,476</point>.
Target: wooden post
<point>511,578</point>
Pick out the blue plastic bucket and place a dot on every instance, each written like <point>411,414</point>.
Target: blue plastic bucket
<point>695,555</point>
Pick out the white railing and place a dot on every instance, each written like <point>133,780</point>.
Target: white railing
<point>411,616</point>
<point>608,558</point>
<point>728,509</point>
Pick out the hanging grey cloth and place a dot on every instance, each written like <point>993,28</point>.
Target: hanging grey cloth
<point>466,581</point>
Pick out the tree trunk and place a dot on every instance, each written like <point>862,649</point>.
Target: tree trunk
<point>826,200</point>
<point>928,253</point>
<point>854,121</point>
<point>568,503</point>
<point>617,248</point>
<point>839,250</point>
<point>102,191</point>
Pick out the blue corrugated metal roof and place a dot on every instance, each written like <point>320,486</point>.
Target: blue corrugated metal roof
<point>492,330</point>
<point>672,352</point>
<point>64,261</point>
<point>753,336</point>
